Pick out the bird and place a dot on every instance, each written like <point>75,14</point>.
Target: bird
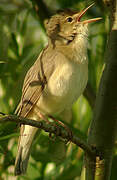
<point>56,79</point>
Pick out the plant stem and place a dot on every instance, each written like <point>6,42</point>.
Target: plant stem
<point>104,125</point>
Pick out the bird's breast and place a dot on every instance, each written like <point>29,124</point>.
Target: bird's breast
<point>68,80</point>
<point>65,85</point>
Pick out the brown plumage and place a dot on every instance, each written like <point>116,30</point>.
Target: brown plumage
<point>57,78</point>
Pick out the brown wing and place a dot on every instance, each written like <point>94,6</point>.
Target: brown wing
<point>34,83</point>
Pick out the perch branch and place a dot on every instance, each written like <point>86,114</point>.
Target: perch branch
<point>51,128</point>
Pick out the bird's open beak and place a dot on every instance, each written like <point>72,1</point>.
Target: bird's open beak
<point>89,20</point>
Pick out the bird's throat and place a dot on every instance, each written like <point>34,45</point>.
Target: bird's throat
<point>75,49</point>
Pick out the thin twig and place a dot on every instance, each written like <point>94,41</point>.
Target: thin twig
<point>41,10</point>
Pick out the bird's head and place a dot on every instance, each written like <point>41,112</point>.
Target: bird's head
<point>67,24</point>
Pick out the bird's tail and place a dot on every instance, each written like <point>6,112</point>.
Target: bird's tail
<point>24,147</point>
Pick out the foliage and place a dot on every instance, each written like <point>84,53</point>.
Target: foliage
<point>22,38</point>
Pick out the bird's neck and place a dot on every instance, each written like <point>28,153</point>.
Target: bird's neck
<point>75,50</point>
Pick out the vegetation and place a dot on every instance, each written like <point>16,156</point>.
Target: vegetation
<point>22,37</point>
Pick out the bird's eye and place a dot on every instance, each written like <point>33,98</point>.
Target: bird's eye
<point>69,19</point>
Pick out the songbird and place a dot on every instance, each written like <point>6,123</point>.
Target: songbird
<point>56,79</point>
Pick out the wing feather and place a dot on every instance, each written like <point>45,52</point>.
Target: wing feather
<point>35,81</point>
<point>32,88</point>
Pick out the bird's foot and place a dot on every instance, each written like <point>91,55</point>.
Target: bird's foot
<point>63,125</point>
<point>43,117</point>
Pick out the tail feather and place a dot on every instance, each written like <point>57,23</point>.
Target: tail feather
<point>23,154</point>
<point>21,164</point>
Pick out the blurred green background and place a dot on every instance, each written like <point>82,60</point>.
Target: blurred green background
<point>22,37</point>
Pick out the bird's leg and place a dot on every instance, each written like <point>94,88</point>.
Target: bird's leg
<point>43,117</point>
